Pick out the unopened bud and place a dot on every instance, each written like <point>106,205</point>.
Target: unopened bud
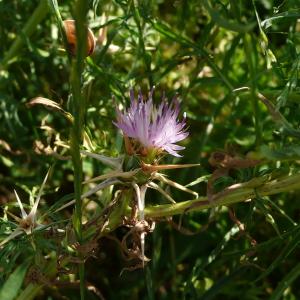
<point>70,30</point>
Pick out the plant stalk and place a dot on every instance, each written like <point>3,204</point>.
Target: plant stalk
<point>233,194</point>
<point>78,111</point>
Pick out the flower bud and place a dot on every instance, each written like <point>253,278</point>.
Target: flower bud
<point>70,29</point>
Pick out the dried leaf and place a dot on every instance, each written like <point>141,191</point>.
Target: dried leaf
<point>50,105</point>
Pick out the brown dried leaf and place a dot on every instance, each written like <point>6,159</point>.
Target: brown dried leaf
<point>50,104</point>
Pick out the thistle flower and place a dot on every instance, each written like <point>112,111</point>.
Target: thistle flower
<point>154,129</point>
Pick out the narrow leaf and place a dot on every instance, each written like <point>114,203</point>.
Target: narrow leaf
<point>227,24</point>
<point>287,250</point>
<point>50,104</point>
<point>13,284</point>
<point>286,282</point>
<point>287,14</point>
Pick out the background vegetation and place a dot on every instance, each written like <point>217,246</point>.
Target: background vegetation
<point>202,50</point>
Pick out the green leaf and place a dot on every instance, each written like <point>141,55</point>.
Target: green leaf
<point>290,86</point>
<point>269,218</point>
<point>278,118</point>
<point>227,24</point>
<point>264,42</point>
<point>201,179</point>
<point>28,29</point>
<point>281,211</point>
<point>287,14</point>
<point>225,281</point>
<point>13,284</point>
<point>202,263</point>
<point>287,250</point>
<point>286,282</point>
<point>284,154</point>
<point>6,161</point>
<point>185,42</point>
<point>149,284</point>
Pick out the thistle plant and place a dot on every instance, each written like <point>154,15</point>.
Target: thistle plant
<point>149,134</point>
<point>111,199</point>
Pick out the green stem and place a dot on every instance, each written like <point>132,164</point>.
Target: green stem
<point>231,195</point>
<point>249,51</point>
<point>78,110</point>
<point>37,16</point>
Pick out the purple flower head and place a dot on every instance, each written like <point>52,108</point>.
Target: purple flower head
<point>153,127</point>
